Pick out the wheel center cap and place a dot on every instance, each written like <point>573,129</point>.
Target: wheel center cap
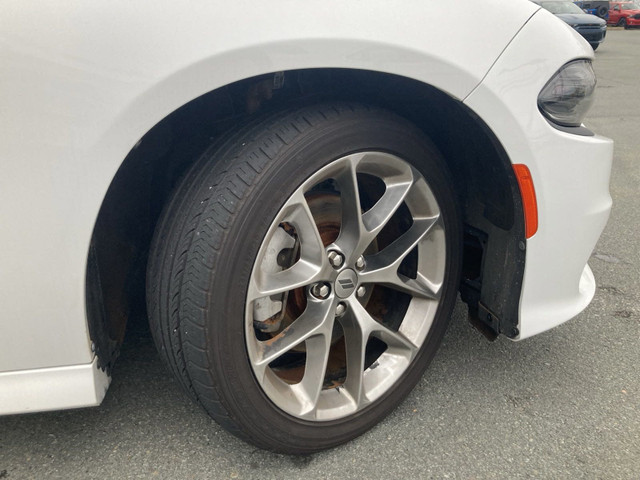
<point>346,283</point>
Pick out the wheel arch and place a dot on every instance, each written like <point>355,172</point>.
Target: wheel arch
<point>485,184</point>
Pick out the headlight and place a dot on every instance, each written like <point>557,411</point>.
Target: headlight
<point>567,97</point>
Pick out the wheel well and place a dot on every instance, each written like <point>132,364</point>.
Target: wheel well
<point>485,183</point>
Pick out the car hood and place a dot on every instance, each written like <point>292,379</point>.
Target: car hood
<point>581,19</point>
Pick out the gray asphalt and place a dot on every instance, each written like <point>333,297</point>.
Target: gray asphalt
<point>564,404</point>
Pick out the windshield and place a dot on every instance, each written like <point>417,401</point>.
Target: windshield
<point>561,7</point>
<point>630,6</point>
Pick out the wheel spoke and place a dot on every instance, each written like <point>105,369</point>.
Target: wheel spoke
<point>377,217</point>
<point>419,287</point>
<point>359,230</point>
<point>352,229</point>
<point>300,275</point>
<point>382,268</point>
<point>313,321</point>
<point>311,246</point>
<point>371,326</point>
<point>356,336</point>
<point>358,325</point>
<point>318,347</point>
<point>396,341</point>
<point>312,262</point>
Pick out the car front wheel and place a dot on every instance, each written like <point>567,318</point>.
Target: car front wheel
<point>303,273</point>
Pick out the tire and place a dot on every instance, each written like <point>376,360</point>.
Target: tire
<point>296,327</point>
<point>594,46</point>
<point>602,11</point>
<point>623,23</point>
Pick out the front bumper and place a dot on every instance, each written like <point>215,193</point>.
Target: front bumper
<point>572,185</point>
<point>633,22</point>
<point>592,34</point>
<point>570,173</point>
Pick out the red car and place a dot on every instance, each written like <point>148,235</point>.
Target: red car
<point>624,14</point>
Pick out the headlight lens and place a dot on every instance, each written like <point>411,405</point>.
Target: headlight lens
<point>567,97</point>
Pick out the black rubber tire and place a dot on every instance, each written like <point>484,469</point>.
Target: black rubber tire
<point>623,23</point>
<point>206,242</point>
<point>602,11</point>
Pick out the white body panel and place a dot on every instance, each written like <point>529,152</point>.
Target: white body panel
<point>54,388</point>
<point>81,82</point>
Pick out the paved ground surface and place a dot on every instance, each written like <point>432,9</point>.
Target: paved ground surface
<point>565,404</point>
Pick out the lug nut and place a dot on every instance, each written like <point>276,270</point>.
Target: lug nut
<point>360,263</point>
<point>361,291</point>
<point>340,309</point>
<point>336,259</point>
<point>320,290</point>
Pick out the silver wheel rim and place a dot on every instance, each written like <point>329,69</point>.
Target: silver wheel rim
<point>337,284</point>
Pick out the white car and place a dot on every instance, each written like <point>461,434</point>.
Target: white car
<point>297,190</point>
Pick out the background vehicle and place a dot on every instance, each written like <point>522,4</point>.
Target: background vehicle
<point>592,28</point>
<point>624,14</point>
<point>299,202</point>
<point>597,8</point>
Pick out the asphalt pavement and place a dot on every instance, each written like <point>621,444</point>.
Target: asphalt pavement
<point>564,404</point>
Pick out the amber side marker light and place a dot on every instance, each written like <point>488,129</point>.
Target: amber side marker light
<point>528,194</point>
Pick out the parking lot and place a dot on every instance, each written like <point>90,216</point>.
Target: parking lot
<point>564,404</point>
